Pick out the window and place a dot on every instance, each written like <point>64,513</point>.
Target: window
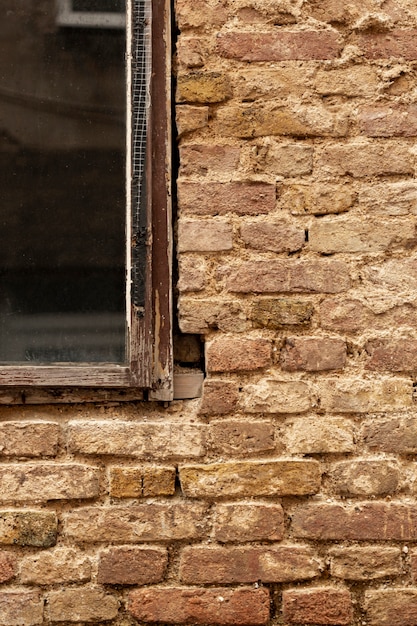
<point>92,13</point>
<point>85,240</point>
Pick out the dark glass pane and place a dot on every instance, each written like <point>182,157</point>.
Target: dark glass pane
<point>62,182</point>
<point>97,6</point>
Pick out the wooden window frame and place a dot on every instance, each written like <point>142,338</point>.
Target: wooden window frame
<point>148,373</point>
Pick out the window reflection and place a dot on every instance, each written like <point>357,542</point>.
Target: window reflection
<point>62,151</point>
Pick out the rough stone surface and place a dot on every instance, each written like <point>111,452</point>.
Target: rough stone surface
<point>391,607</point>
<point>21,608</point>
<point>365,563</point>
<point>252,521</point>
<point>32,439</point>
<point>61,565</point>
<point>230,355</point>
<point>137,482</point>
<point>318,605</point>
<point>273,313</point>
<point>28,528</point>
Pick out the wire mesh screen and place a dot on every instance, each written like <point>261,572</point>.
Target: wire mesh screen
<point>141,71</point>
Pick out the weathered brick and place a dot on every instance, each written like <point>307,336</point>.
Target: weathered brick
<point>278,82</point>
<point>317,199</point>
<point>264,119</point>
<point>221,198</point>
<point>276,396</point>
<point>319,605</point>
<point>81,605</point>
<point>191,52</point>
<point>413,563</point>
<point>219,397</point>
<point>397,275</point>
<point>393,355</point>
<point>37,483</point>
<point>28,528</point>
<point>192,274</point>
<point>313,354</point>
<point>344,315</point>
<point>365,477</point>
<point>30,439</point>
<point>190,118</point>
<point>391,120</point>
<point>248,521</point>
<point>295,276</point>
<point>279,45</point>
<point>365,158</point>
<point>61,565</point>
<point>391,198</point>
<point>364,563</point>
<point>203,87</point>
<point>182,605</point>
<point>200,316</point>
<point>359,80</point>
<point>229,354</point>
<point>201,159</point>
<point>396,434</point>
<point>223,565</point>
<point>360,396</point>
<point>21,608</point>
<point>132,566</point>
<point>356,236</point>
<point>154,439</point>
<point>314,435</point>
<point>395,44</point>
<point>391,607</point>
<point>251,478</point>
<point>137,482</point>
<point>363,521</point>
<point>273,313</point>
<point>135,524</point>
<point>204,236</point>
<point>333,11</point>
<point>199,14</point>
<point>277,236</point>
<point>8,566</point>
<point>241,437</point>
<point>281,159</point>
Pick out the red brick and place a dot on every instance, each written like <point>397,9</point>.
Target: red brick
<point>201,159</point>
<point>391,607</point>
<point>219,397</point>
<point>21,608</point>
<point>192,274</point>
<point>223,565</point>
<point>249,521</point>
<point>395,44</point>
<point>396,434</point>
<point>344,315</point>
<point>389,120</point>
<point>363,521</point>
<point>240,607</point>
<point>240,437</point>
<point>313,354</point>
<point>362,159</point>
<point>132,566</point>
<point>280,236</point>
<point>226,354</point>
<point>222,198</point>
<point>8,563</point>
<point>392,355</point>
<point>320,605</point>
<point>294,276</point>
<point>279,46</point>
<point>204,236</point>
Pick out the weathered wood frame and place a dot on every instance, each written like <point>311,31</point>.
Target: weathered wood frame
<point>149,371</point>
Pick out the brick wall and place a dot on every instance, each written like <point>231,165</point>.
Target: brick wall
<point>286,495</point>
